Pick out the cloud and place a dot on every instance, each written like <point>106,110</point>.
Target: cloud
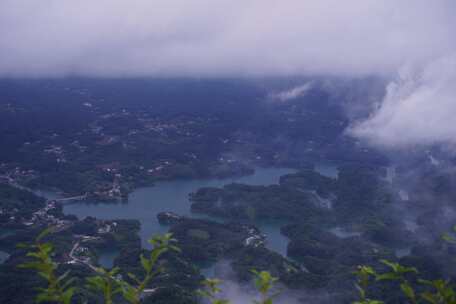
<point>418,109</point>
<point>245,292</point>
<point>234,38</point>
<point>292,93</point>
<point>207,38</point>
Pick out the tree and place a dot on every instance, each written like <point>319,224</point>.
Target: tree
<point>110,284</point>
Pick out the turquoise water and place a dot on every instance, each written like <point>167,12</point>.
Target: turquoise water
<point>6,232</point>
<point>145,203</point>
<point>107,256</point>
<point>274,239</point>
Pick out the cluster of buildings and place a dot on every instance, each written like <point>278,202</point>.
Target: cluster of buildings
<point>254,238</point>
<point>13,176</point>
<point>42,216</point>
<point>158,167</point>
<point>107,227</point>
<point>111,191</point>
<point>82,254</point>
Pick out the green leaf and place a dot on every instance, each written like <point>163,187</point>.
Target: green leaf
<point>146,264</point>
<point>24,245</point>
<point>393,266</point>
<point>67,295</point>
<point>361,291</point>
<point>43,233</point>
<point>398,268</point>
<point>448,238</point>
<point>133,277</point>
<point>429,297</point>
<point>44,297</point>
<point>129,293</point>
<point>408,291</point>
<point>389,276</point>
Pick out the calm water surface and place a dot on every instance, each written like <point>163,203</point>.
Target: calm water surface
<point>145,203</point>
<point>107,256</point>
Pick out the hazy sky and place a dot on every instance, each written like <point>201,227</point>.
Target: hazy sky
<point>220,37</point>
<point>407,40</point>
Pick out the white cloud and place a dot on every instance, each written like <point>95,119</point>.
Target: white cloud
<point>220,38</point>
<point>292,93</point>
<point>207,38</point>
<point>419,108</point>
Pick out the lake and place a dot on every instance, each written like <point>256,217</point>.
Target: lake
<point>106,257</point>
<point>145,203</point>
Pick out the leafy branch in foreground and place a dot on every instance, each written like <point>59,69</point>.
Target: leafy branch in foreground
<point>160,245</point>
<point>58,287</point>
<point>211,290</point>
<point>110,284</point>
<point>435,292</point>
<point>107,283</point>
<point>364,275</point>
<point>264,283</point>
<point>398,273</point>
